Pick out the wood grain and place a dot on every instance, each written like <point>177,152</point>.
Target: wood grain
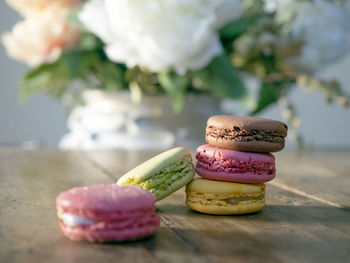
<point>306,219</point>
<point>30,182</point>
<point>29,232</point>
<point>323,176</point>
<point>299,223</point>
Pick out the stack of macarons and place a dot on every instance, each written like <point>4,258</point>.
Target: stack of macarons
<point>234,167</point>
<point>235,164</point>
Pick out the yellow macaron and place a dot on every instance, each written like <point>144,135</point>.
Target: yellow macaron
<point>224,198</point>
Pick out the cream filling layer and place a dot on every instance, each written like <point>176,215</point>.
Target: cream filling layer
<point>73,220</point>
<point>164,180</point>
<point>226,200</point>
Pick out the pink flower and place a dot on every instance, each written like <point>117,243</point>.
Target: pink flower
<point>41,39</point>
<point>30,7</point>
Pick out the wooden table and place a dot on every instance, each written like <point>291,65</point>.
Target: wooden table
<point>306,219</point>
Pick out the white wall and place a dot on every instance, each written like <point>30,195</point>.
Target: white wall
<point>43,119</point>
<point>323,125</point>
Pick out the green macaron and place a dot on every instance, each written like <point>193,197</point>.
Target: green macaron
<point>163,174</point>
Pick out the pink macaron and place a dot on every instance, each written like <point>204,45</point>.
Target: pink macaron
<point>106,213</point>
<point>233,166</point>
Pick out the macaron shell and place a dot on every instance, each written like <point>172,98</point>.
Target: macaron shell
<point>248,146</point>
<point>169,189</point>
<point>239,178</point>
<point>224,198</point>
<point>106,202</point>
<point>109,232</point>
<point>214,209</point>
<point>218,153</point>
<point>154,166</point>
<point>227,188</point>
<point>233,166</point>
<point>247,123</point>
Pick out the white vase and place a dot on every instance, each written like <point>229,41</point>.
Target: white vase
<point>113,120</point>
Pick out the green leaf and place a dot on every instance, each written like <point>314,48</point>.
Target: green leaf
<point>80,63</point>
<point>269,94</point>
<point>74,61</point>
<point>175,86</point>
<point>89,41</point>
<point>222,79</point>
<point>54,78</point>
<point>111,75</point>
<point>236,27</point>
<point>33,82</point>
<point>50,78</point>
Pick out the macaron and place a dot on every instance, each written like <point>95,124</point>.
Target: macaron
<point>224,198</point>
<point>107,213</point>
<point>233,166</point>
<point>246,134</point>
<point>163,174</point>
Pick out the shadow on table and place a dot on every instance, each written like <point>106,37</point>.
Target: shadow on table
<point>224,244</point>
<point>293,244</point>
<point>273,213</point>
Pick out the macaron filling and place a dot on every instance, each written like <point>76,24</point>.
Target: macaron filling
<point>73,220</point>
<point>237,134</point>
<point>222,199</point>
<point>167,177</point>
<point>234,166</point>
<point>237,200</point>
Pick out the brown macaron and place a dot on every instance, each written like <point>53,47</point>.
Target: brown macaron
<point>246,134</point>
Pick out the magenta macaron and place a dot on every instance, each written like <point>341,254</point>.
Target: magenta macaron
<point>106,213</point>
<point>233,166</point>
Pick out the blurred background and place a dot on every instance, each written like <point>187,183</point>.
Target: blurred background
<point>42,119</point>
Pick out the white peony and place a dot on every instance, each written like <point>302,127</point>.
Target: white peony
<point>160,35</point>
<point>283,9</point>
<point>41,39</point>
<point>30,7</point>
<point>323,29</point>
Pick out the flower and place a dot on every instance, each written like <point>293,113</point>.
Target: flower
<point>30,7</point>
<point>320,27</point>
<point>41,39</point>
<point>160,35</point>
<point>284,9</point>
